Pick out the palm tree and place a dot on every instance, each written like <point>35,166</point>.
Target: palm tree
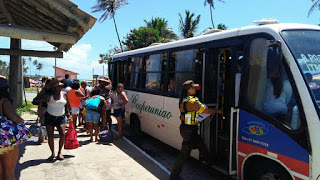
<point>188,26</point>
<point>35,63</point>
<point>4,68</point>
<point>39,67</point>
<point>211,4</point>
<point>165,33</point>
<point>30,60</point>
<point>25,69</point>
<point>109,7</point>
<point>316,4</point>
<point>222,27</point>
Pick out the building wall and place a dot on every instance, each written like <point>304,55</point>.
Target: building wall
<point>60,74</point>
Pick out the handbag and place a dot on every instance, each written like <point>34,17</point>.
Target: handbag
<point>71,141</point>
<point>106,136</point>
<point>35,129</point>
<point>11,133</point>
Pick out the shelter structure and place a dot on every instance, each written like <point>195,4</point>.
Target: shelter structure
<point>58,22</point>
<point>60,72</point>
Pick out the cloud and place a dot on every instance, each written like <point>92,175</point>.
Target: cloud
<point>80,58</point>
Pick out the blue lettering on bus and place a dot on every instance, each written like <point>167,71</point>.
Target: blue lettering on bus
<point>148,108</point>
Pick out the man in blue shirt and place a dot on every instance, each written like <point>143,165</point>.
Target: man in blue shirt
<point>66,76</point>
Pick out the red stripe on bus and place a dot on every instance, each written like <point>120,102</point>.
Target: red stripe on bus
<point>296,178</point>
<point>240,161</point>
<point>293,164</point>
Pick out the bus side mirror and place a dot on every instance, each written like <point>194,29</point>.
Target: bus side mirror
<point>274,59</point>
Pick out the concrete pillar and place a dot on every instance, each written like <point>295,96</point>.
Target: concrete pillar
<point>16,75</point>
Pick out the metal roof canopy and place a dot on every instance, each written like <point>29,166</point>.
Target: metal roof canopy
<point>58,22</point>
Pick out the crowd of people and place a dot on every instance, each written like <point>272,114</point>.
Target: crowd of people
<point>60,100</point>
<point>57,101</point>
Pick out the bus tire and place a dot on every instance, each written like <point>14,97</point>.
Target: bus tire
<point>260,168</point>
<point>135,126</point>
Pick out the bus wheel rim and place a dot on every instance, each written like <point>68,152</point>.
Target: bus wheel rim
<point>269,176</point>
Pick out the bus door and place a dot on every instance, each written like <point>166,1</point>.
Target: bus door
<point>216,84</point>
<point>272,134</point>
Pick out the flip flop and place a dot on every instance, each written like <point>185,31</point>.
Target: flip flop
<point>50,158</point>
<point>59,158</point>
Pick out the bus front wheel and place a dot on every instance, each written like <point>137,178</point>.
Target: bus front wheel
<point>265,169</point>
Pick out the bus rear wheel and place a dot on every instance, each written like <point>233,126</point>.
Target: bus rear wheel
<point>264,169</point>
<point>135,126</point>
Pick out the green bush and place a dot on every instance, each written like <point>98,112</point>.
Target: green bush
<point>26,108</point>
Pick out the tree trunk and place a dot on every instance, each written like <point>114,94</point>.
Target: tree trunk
<point>115,25</point>
<point>211,17</point>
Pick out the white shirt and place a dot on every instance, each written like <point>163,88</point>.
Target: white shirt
<point>56,107</point>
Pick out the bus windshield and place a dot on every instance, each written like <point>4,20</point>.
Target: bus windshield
<point>304,44</point>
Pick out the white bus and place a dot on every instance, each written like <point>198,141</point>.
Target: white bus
<point>259,137</point>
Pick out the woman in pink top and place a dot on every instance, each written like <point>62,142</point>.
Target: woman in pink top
<point>74,97</point>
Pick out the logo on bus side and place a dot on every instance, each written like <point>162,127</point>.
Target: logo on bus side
<point>148,108</point>
<point>255,128</point>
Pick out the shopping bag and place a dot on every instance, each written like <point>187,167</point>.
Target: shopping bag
<point>106,136</point>
<point>35,129</point>
<point>71,141</point>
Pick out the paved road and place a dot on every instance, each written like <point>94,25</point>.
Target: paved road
<point>30,95</point>
<point>165,155</point>
<point>92,160</point>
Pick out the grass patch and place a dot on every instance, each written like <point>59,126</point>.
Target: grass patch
<point>26,108</point>
<point>33,89</point>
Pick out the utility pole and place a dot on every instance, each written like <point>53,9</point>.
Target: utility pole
<point>55,64</point>
<point>103,70</point>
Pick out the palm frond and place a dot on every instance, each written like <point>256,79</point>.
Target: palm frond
<point>313,6</point>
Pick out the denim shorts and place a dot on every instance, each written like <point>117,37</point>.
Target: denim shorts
<point>92,116</point>
<point>119,112</point>
<point>54,120</point>
<point>75,110</point>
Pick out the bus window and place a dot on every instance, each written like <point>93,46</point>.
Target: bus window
<point>122,72</point>
<point>187,62</point>
<point>130,72</point>
<point>136,71</point>
<point>153,71</point>
<point>268,89</point>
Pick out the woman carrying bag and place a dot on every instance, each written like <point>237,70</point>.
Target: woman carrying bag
<point>58,106</point>
<point>12,133</point>
<point>96,106</point>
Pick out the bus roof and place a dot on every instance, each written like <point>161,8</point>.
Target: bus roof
<point>268,28</point>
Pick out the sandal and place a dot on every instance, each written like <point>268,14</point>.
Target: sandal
<point>50,158</point>
<point>60,157</point>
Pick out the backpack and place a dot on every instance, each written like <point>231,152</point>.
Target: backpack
<point>94,104</point>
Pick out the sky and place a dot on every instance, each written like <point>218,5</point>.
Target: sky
<point>84,55</point>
